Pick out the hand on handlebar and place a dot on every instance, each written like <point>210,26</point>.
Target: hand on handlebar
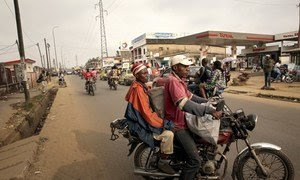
<point>217,114</point>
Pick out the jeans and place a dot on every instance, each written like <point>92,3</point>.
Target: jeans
<point>192,165</point>
<point>267,79</point>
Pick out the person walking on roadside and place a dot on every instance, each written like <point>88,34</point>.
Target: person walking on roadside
<point>42,81</point>
<point>268,64</point>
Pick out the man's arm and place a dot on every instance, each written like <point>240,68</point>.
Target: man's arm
<point>198,99</point>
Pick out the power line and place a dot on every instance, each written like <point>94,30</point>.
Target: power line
<point>9,46</point>
<point>6,52</point>
<point>261,3</point>
<point>7,5</point>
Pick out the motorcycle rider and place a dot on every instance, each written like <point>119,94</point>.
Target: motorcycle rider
<point>179,100</point>
<point>87,76</point>
<point>112,74</point>
<point>146,123</point>
<point>201,77</point>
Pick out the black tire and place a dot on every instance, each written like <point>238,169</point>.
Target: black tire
<point>92,90</point>
<point>289,79</point>
<point>282,158</point>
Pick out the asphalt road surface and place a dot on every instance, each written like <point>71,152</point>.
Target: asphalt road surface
<point>85,151</point>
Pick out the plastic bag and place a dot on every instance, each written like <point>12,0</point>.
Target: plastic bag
<point>206,127</point>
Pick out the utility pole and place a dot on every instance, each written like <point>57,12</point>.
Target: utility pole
<point>48,46</point>
<point>299,26</point>
<point>21,51</point>
<point>38,45</point>
<point>47,57</point>
<point>44,61</point>
<point>104,52</point>
<point>76,60</point>
<point>54,45</point>
<point>61,56</point>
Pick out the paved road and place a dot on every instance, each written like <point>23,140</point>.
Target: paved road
<point>78,133</point>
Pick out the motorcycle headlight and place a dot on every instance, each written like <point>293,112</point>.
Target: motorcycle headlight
<point>250,121</point>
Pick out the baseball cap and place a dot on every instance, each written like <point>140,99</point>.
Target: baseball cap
<point>180,59</point>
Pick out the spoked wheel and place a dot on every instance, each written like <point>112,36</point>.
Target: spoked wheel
<point>140,160</point>
<point>289,79</point>
<point>275,162</point>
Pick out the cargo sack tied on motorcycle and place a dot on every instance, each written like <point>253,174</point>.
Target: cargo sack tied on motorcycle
<point>156,96</point>
<point>206,127</point>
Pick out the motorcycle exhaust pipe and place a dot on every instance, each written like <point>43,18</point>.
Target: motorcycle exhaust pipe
<point>142,172</point>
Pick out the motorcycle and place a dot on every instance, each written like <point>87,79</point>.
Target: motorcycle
<point>90,87</point>
<point>113,83</point>
<point>287,76</point>
<point>62,82</point>
<point>256,161</point>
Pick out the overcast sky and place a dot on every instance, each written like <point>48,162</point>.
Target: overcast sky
<point>78,31</point>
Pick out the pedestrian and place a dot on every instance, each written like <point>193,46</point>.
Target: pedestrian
<point>268,64</point>
<point>149,70</point>
<point>42,81</point>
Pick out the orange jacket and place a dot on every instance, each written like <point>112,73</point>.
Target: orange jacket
<point>138,97</point>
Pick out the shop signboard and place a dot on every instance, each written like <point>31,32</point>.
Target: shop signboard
<point>108,62</point>
<point>260,49</point>
<point>285,36</point>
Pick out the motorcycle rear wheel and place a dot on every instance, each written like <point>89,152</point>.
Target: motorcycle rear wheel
<point>280,166</point>
<point>140,158</point>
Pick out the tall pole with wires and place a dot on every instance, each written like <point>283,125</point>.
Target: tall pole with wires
<point>104,52</point>
<point>21,51</point>
<point>299,26</point>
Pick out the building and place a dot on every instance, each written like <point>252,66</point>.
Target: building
<point>28,63</point>
<point>159,47</point>
<point>290,52</point>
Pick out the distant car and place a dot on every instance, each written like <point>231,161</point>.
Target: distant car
<point>54,73</point>
<point>126,77</point>
<point>103,74</point>
<point>69,72</point>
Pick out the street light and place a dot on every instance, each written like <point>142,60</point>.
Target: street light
<point>55,45</point>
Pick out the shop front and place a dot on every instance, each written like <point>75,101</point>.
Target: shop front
<point>254,56</point>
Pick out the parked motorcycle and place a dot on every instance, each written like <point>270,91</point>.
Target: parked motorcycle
<point>256,161</point>
<point>90,87</point>
<point>287,76</point>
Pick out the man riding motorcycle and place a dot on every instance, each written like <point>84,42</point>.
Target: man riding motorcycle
<point>179,100</point>
<point>87,76</point>
<point>148,125</point>
<point>113,74</point>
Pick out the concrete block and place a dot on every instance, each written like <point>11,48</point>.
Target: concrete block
<point>16,158</point>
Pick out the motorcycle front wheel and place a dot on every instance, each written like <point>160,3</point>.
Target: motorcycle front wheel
<point>275,162</point>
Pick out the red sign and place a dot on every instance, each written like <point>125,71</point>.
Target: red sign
<point>226,35</point>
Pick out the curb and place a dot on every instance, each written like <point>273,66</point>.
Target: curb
<point>267,96</point>
<point>28,123</point>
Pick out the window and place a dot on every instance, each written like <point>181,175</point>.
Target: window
<point>144,51</point>
<point>161,48</point>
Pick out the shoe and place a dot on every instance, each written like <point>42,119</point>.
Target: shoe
<point>264,87</point>
<point>270,88</point>
<point>165,167</point>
